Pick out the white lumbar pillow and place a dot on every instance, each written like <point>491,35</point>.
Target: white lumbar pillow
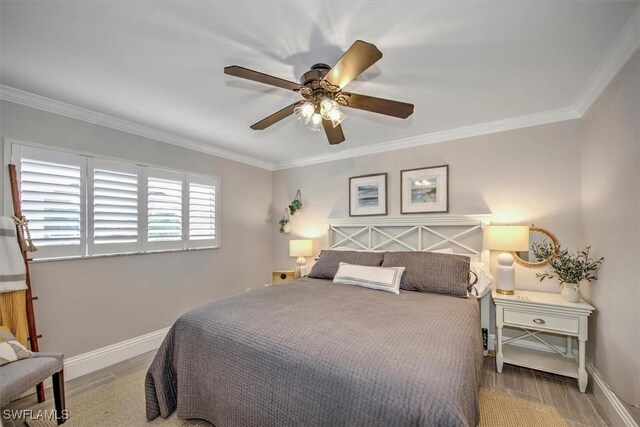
<point>379,278</point>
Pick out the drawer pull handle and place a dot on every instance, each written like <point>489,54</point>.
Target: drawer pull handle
<point>539,321</point>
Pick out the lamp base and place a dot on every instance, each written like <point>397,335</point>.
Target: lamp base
<point>301,267</point>
<point>505,274</point>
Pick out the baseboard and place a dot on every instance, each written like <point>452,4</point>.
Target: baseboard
<point>608,401</point>
<point>95,360</point>
<point>103,357</point>
<point>616,412</point>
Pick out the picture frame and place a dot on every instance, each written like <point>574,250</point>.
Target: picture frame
<point>424,190</point>
<point>368,195</point>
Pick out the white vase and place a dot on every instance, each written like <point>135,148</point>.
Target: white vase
<point>571,292</point>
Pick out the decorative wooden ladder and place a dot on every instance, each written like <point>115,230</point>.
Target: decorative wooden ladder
<point>31,320</point>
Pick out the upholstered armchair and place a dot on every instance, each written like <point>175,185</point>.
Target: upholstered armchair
<point>19,376</point>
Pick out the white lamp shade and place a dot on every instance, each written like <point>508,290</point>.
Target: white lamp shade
<point>299,248</point>
<point>508,237</point>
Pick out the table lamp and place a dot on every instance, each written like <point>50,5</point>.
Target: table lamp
<point>507,238</point>
<point>300,249</point>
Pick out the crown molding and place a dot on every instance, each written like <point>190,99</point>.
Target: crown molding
<point>28,99</point>
<point>624,46</point>
<point>519,122</point>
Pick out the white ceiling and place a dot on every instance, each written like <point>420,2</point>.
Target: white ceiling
<point>160,64</point>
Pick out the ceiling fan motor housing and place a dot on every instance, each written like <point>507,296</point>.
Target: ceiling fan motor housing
<point>316,73</point>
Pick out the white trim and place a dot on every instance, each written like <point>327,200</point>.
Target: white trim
<point>536,119</point>
<point>624,46</point>
<point>103,357</point>
<point>533,345</point>
<point>608,400</point>
<point>8,142</point>
<point>106,356</point>
<point>603,394</point>
<point>28,99</point>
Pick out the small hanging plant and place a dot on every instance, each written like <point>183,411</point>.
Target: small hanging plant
<point>284,223</point>
<point>296,205</point>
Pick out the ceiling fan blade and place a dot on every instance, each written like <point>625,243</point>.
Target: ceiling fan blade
<point>256,76</point>
<point>275,117</point>
<point>360,56</point>
<point>334,134</point>
<point>377,105</point>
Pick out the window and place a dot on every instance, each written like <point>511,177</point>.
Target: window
<point>202,210</point>
<point>83,206</point>
<point>164,209</point>
<point>52,194</point>
<point>113,207</point>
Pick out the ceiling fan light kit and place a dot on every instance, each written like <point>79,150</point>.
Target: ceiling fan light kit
<point>321,88</point>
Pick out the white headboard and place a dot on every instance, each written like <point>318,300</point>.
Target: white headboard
<point>465,234</point>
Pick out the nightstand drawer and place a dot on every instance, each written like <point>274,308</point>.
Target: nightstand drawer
<point>541,321</point>
<point>282,276</point>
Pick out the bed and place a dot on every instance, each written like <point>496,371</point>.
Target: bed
<point>312,352</point>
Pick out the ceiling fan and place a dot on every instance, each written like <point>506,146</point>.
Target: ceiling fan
<point>322,88</point>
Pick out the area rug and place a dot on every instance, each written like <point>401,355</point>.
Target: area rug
<point>501,410</point>
<point>121,403</point>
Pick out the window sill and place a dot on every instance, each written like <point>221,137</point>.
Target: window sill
<point>161,251</point>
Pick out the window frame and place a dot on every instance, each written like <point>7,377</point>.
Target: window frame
<point>13,151</point>
<point>169,175</point>
<point>94,248</point>
<point>208,181</point>
<point>55,251</point>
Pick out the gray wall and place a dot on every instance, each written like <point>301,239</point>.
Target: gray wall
<point>610,188</point>
<point>523,176</point>
<point>579,179</point>
<point>90,303</point>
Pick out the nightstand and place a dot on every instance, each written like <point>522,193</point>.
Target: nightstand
<point>536,312</point>
<point>282,276</point>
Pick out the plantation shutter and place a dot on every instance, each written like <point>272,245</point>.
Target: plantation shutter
<point>202,211</point>
<point>164,209</point>
<point>113,207</point>
<point>52,194</point>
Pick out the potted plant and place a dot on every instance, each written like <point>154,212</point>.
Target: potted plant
<point>284,223</point>
<point>569,269</point>
<point>296,205</point>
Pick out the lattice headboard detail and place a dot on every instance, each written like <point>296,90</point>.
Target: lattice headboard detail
<point>462,233</point>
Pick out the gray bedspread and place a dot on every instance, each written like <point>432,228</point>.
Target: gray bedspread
<point>314,353</point>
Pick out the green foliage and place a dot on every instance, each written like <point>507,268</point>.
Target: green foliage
<point>295,206</point>
<point>282,223</point>
<point>566,267</point>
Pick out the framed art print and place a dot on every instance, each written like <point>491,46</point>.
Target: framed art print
<point>424,190</point>
<point>368,195</point>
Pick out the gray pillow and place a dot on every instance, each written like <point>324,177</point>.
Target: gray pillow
<point>431,272</point>
<point>329,261</point>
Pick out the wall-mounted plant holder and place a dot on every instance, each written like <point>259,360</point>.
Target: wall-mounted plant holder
<point>285,223</point>
<point>295,207</point>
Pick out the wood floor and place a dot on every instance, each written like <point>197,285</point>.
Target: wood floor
<point>576,408</point>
